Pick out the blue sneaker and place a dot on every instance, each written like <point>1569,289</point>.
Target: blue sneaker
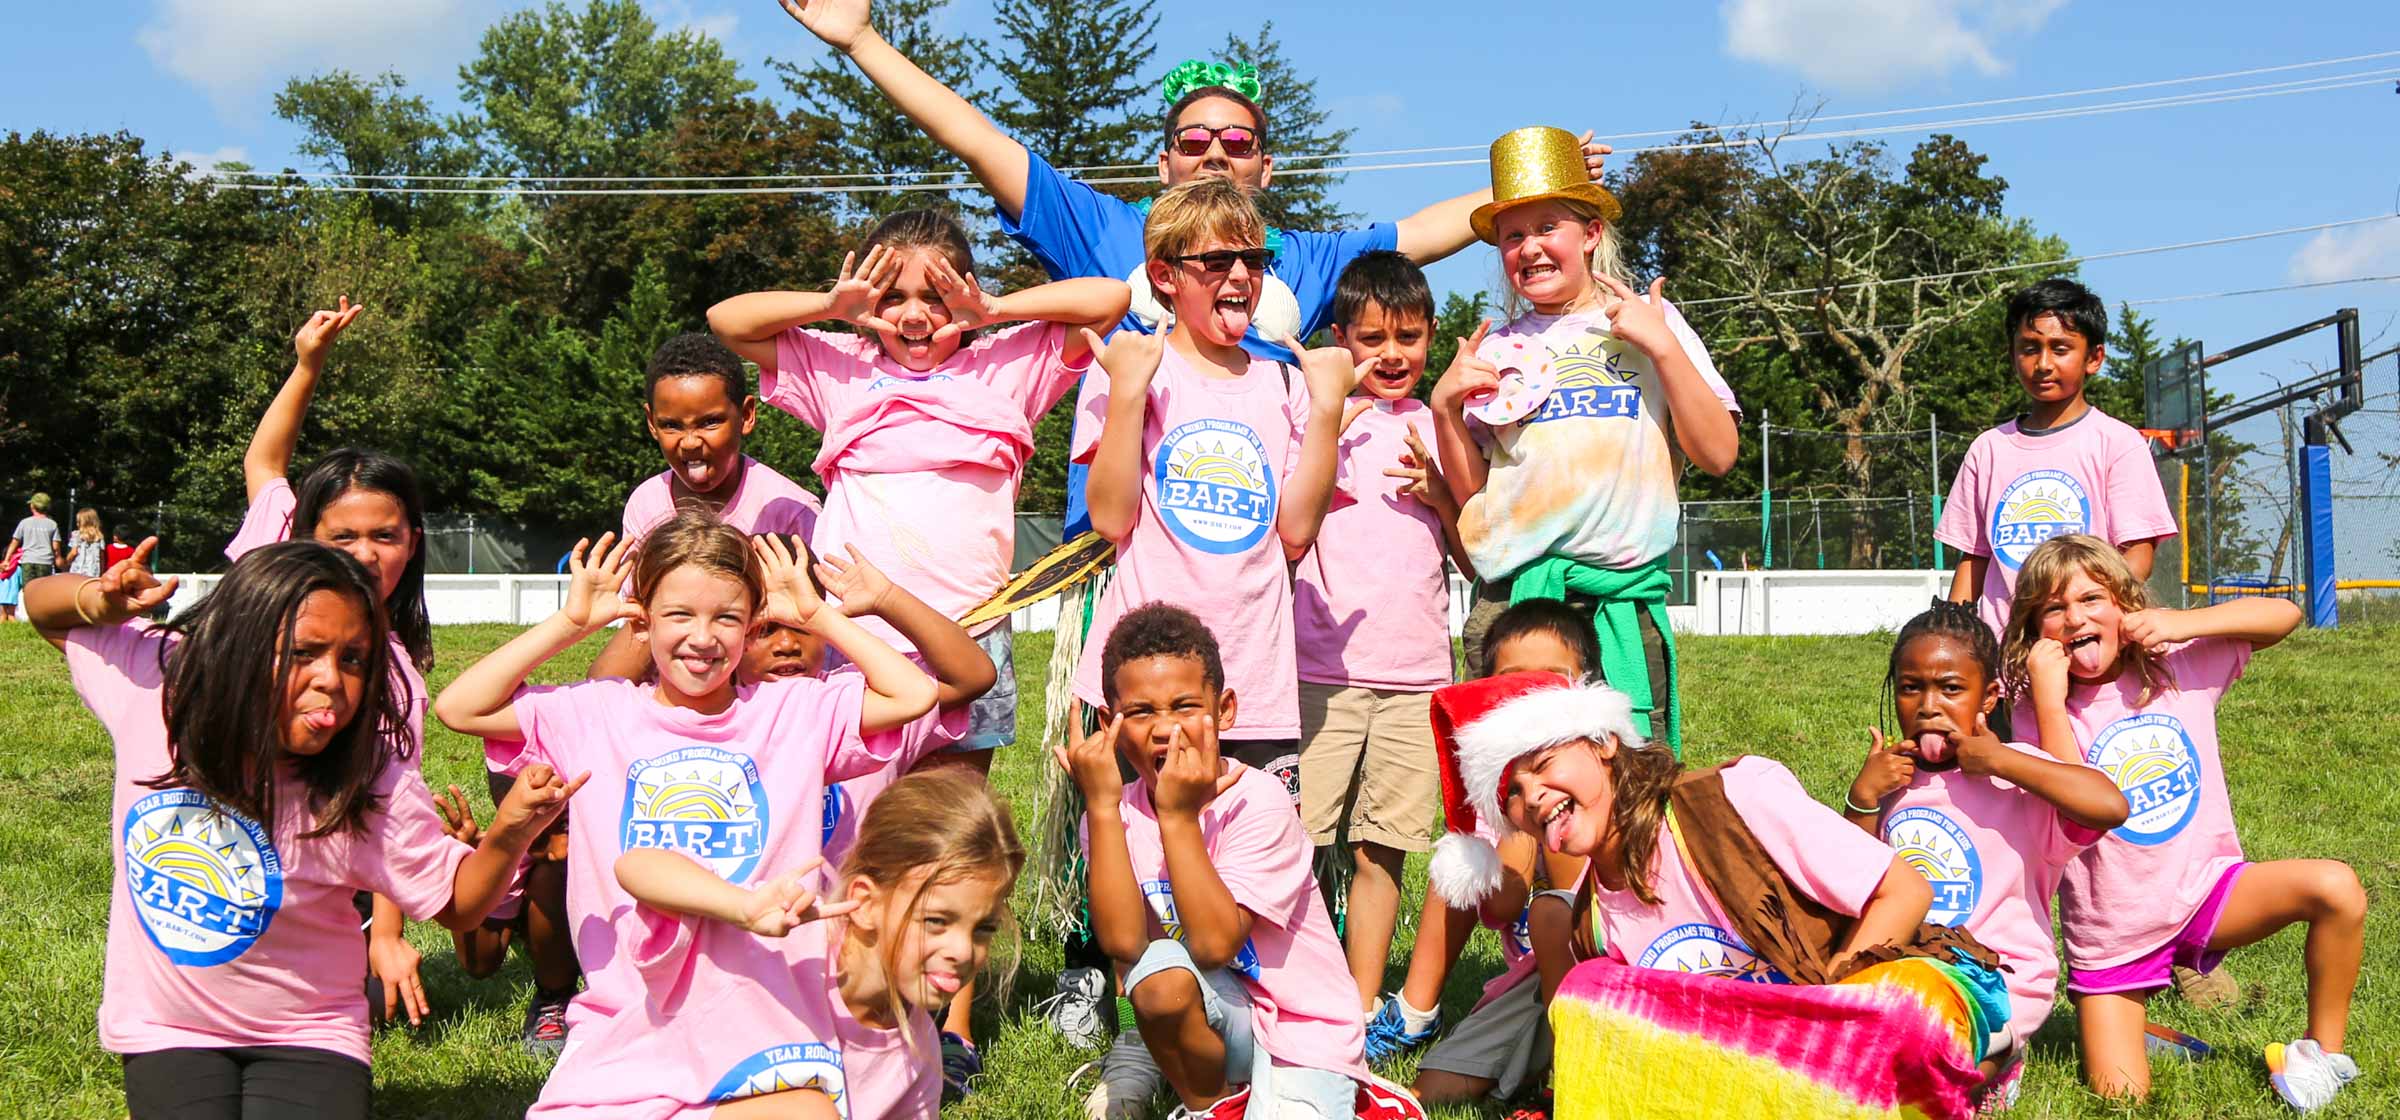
<point>961,1065</point>
<point>1388,1035</point>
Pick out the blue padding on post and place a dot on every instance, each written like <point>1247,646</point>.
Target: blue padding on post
<point>2316,486</point>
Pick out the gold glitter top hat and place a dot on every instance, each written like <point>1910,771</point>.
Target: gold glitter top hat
<point>1535,163</point>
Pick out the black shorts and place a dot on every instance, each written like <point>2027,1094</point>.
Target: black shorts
<point>246,1083</point>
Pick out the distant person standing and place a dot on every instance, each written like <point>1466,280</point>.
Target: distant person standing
<point>86,549</point>
<point>117,549</point>
<point>37,537</point>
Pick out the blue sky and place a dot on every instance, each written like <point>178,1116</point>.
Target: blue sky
<point>197,76</point>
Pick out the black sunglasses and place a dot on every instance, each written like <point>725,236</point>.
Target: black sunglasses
<point>1218,262</point>
<point>1240,140</point>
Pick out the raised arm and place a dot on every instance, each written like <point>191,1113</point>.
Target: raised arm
<point>897,691</point>
<point>1441,229</point>
<point>1113,491</point>
<point>128,590</point>
<point>992,156</point>
<point>2258,621</point>
<point>1331,375</point>
<point>484,877</point>
<point>749,324</point>
<point>270,453</point>
<point>481,702</point>
<point>2082,794</point>
<point>1703,426</point>
<point>961,670</point>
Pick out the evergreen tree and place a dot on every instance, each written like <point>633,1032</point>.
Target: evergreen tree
<point>867,136</point>
<point>1083,94</point>
<point>1296,126</point>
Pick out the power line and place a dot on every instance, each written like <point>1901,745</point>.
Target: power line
<point>2263,291</point>
<point>2324,83</point>
<point>2112,254</point>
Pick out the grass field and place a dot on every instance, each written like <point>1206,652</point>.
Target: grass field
<point>2306,743</point>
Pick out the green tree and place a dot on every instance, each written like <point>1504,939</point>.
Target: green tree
<point>866,137</point>
<point>123,324</point>
<point>374,130</point>
<point>1296,126</point>
<point>1081,91</point>
<point>589,92</point>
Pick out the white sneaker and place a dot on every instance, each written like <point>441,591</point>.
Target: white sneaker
<point>1075,1011</point>
<point>2305,1076</point>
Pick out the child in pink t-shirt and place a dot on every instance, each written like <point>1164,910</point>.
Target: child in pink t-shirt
<point>926,433</point>
<point>698,406</point>
<point>2116,683</point>
<point>367,504</point>
<point>1502,1046</point>
<point>1212,470</point>
<point>1992,825</point>
<point>233,952</point>
<point>685,763</point>
<point>2062,467</point>
<point>1371,611</point>
<point>751,1003</point>
<point>1201,889</point>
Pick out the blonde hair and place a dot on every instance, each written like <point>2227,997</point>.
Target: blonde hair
<point>1203,210</point>
<point>943,822</point>
<point>697,538</point>
<point>87,524</point>
<point>1607,259</point>
<point>2044,577</point>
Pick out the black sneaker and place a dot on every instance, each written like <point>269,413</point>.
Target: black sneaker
<point>546,1024</point>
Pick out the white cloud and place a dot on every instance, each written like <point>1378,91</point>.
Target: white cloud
<point>235,50</point>
<point>1863,45</point>
<point>2339,254</point>
<point>677,15</point>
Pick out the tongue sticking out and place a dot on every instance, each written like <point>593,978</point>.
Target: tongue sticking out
<point>694,473</point>
<point>1232,318</point>
<point>1554,834</point>
<point>1933,746</point>
<point>2085,655</point>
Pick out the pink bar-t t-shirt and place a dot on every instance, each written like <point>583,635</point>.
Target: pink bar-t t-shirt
<point>741,790</point>
<point>731,1015</point>
<point>1371,602</point>
<point>1994,853</point>
<point>2015,490</point>
<point>2135,889</point>
<point>1216,453</point>
<point>763,501</point>
<point>224,931</point>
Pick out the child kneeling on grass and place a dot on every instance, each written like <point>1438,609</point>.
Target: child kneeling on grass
<point>1201,891</point>
<point>2116,683</point>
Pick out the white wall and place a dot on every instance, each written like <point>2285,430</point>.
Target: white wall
<point>1777,602</point>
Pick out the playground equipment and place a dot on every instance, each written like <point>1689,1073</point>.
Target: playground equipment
<point>2177,418</point>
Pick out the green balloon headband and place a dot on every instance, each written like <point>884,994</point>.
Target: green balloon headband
<point>1241,78</point>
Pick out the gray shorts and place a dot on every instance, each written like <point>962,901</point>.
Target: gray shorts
<point>1506,1042</point>
<point>1277,1091</point>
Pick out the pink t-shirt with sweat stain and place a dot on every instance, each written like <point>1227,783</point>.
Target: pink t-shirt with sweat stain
<point>730,1015</point>
<point>269,521</point>
<point>1371,602</point>
<point>741,791</point>
<point>1994,853</point>
<point>224,931</point>
<point>2015,490</point>
<point>1828,858</point>
<point>921,468</point>
<point>2135,889</point>
<point>1303,1003</point>
<point>1216,454</point>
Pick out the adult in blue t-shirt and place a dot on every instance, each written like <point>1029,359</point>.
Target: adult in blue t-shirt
<point>1074,230</point>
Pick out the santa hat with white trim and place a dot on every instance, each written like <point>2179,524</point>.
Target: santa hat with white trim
<point>1481,729</point>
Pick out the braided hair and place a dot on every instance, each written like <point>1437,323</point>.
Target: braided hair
<point>1946,619</point>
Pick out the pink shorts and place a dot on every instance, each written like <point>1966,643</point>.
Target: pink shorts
<point>2188,948</point>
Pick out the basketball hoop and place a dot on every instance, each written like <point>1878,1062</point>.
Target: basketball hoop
<point>2172,439</point>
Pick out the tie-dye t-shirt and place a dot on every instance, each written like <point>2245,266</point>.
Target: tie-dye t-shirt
<point>1590,476</point>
